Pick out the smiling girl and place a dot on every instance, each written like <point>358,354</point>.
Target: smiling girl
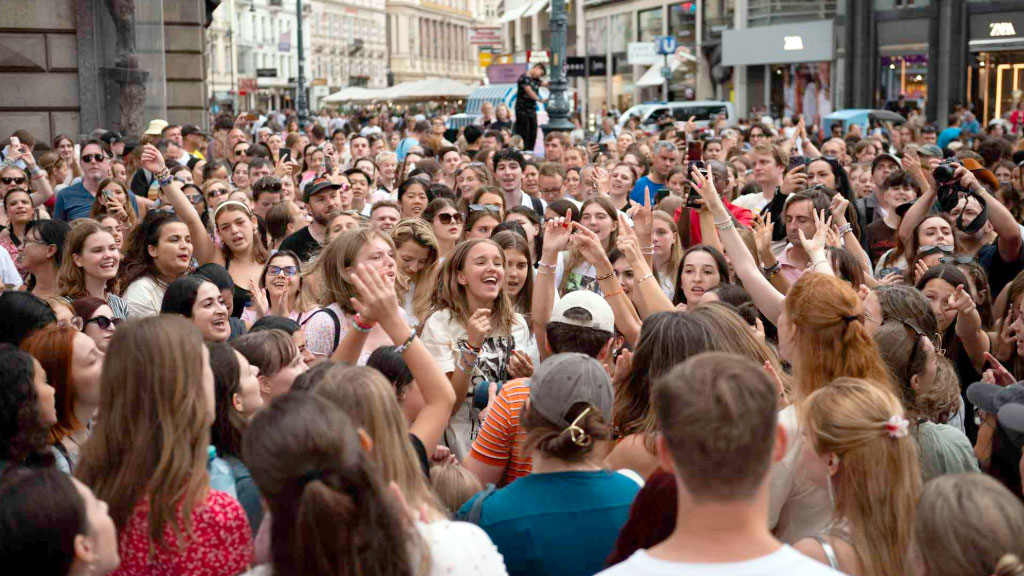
<point>480,221</point>
<point>113,199</point>
<point>200,301</point>
<point>518,272</point>
<point>598,216</point>
<point>280,291</point>
<point>473,329</point>
<point>417,257</point>
<point>92,266</point>
<point>332,272</point>
<point>18,208</point>
<point>622,178</point>
<point>160,253</point>
<point>243,254</point>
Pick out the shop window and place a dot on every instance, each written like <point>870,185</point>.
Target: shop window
<point>905,74</point>
<point>649,24</point>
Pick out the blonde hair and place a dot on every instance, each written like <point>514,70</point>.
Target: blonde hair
<point>454,485</point>
<point>369,400</point>
<point>417,230</point>
<point>968,525</point>
<point>879,478</point>
<point>340,254</point>
<point>450,295</point>
<point>151,442</point>
<point>70,276</point>
<point>575,257</point>
<point>99,208</point>
<point>676,254</point>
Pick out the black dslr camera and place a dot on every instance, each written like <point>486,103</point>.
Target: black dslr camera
<point>949,188</point>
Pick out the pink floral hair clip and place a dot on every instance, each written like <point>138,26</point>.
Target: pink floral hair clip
<point>898,427</point>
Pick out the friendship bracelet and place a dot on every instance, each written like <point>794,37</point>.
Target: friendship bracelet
<point>467,347</point>
<point>463,368</point>
<point>606,276</point>
<point>773,270</point>
<point>648,277</point>
<point>360,327</point>
<point>615,293</point>
<point>405,345</point>
<point>725,226</point>
<point>845,229</point>
<point>548,266</point>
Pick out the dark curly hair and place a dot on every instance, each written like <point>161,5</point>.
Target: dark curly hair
<point>22,434</point>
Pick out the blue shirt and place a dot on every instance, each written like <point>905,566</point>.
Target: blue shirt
<point>404,146</point>
<point>563,523</point>
<point>75,202</point>
<point>637,195</point>
<point>947,136</point>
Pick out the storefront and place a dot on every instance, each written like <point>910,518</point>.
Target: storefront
<point>995,67</point>
<point>789,68</point>
<point>902,61</point>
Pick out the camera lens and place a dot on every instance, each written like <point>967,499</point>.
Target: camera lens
<point>943,173</point>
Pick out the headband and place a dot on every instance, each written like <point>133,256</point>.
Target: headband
<point>231,203</point>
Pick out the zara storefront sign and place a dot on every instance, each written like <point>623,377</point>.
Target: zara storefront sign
<point>790,43</point>
<point>1001,29</point>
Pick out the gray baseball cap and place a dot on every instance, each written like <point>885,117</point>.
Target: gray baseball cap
<point>930,150</point>
<point>992,397</point>
<point>564,380</point>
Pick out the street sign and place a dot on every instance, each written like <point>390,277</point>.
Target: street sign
<point>266,72</point>
<point>684,55</point>
<point>666,72</point>
<point>665,45</point>
<point>485,36</point>
<point>538,57</point>
<point>642,54</point>
<point>575,66</point>
<point>486,56</point>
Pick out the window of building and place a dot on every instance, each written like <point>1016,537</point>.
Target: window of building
<point>649,24</point>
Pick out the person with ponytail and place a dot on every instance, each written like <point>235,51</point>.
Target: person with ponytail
<point>859,446</point>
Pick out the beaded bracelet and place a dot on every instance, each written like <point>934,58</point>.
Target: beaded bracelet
<point>548,266</point>
<point>405,345</point>
<point>845,228</point>
<point>724,225</point>
<point>358,324</point>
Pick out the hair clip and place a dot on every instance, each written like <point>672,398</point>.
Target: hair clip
<point>898,427</point>
<point>578,435</point>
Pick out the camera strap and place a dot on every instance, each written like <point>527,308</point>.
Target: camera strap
<point>978,221</point>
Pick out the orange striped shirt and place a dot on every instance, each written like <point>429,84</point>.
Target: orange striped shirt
<point>501,439</point>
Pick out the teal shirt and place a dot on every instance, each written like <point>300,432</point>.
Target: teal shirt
<point>562,524</point>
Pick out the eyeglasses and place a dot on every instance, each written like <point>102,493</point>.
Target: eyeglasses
<point>90,158</point>
<point>9,180</point>
<point>215,192</point>
<point>485,208</point>
<point>75,322</point>
<point>194,198</point>
<point>447,219</point>
<point>34,241</point>
<point>242,152</point>
<point>104,322</point>
<point>288,271</point>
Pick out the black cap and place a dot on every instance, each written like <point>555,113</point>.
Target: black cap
<point>111,138</point>
<point>190,129</point>
<point>317,186</point>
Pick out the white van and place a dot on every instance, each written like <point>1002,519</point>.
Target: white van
<point>703,112</point>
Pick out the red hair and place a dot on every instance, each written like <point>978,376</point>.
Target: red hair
<point>830,340</point>
<point>52,347</point>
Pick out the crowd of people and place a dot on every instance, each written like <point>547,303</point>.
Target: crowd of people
<point>383,345</point>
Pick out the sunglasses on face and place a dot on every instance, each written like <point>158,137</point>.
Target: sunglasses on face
<point>103,322</point>
<point>19,180</point>
<point>485,208</point>
<point>215,192</point>
<point>288,271</point>
<point>90,158</point>
<point>75,322</point>
<point>447,219</point>
<point>241,152</point>
<point>194,198</point>
<point>956,260</point>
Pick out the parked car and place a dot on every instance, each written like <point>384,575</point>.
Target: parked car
<point>703,112</point>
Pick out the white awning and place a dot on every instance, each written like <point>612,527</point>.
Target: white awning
<point>535,8</point>
<point>653,77</point>
<point>515,13</point>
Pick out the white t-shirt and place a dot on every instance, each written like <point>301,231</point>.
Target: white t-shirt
<point>8,273</point>
<point>144,296</point>
<point>783,562</point>
<point>441,334</point>
<point>754,202</point>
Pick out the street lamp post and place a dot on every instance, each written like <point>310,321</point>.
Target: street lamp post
<point>558,106</point>
<point>300,80</point>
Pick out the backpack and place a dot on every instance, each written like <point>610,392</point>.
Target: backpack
<point>537,207</point>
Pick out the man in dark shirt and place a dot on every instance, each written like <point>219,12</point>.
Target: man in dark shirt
<point>322,200</point>
<point>526,105</point>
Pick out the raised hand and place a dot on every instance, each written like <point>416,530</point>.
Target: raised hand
<point>816,243</point>
<point>377,300</point>
<point>557,232</point>
<point>961,301</point>
<point>588,244</point>
<point>520,365</point>
<point>643,216</point>
<point>690,126</point>
<point>997,374</point>
<point>795,180</point>
<point>763,235</point>
<point>479,326</point>
<point>602,181</point>
<point>838,209</point>
<point>152,159</point>
<point>258,296</point>
<point>1004,341</point>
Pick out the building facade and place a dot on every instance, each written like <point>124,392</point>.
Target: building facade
<point>348,46</point>
<point>431,38</point>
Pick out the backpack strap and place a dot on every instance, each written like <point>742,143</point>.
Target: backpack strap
<point>537,206</point>
<point>337,325</point>
<point>477,509</point>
